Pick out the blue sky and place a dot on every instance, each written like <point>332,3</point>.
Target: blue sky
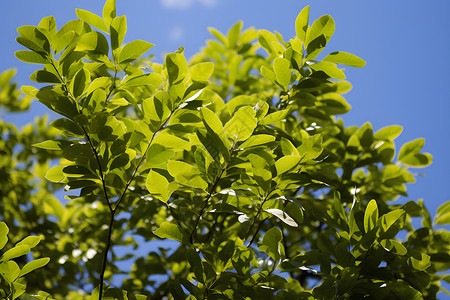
<point>406,80</point>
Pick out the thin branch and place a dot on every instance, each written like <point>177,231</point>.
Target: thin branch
<point>205,205</point>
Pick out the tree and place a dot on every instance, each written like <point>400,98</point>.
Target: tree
<point>237,156</point>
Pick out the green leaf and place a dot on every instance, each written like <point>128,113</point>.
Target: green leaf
<point>213,123</point>
<point>33,265</point>
<point>404,291</point>
<point>301,24</point>
<point>443,214</point>
<point>159,187</point>
<point>323,26</point>
<point>133,50</point>
<point>176,67</point>
<point>196,264</point>
<point>233,35</point>
<point>242,124</point>
<point>283,216</point>
<point>344,58</point>
<point>17,251</point>
<point>93,42</point>
<point>43,76</point>
<point>48,145</point>
<point>391,223</point>
<point>257,140</point>
<point>394,247</point>
<point>30,241</point>
<point>201,71</point>
<point>282,69</point>
<point>31,57</point>
<point>4,230</point>
<point>186,174</point>
<point>287,163</point>
<point>158,154</point>
<point>268,73</point>
<point>218,35</point>
<point>420,262</point>
<point>371,216</point>
<point>92,19</point>
<point>328,68</point>
<point>272,243</point>
<point>109,11</point>
<point>55,174</point>
<point>274,117</point>
<point>68,127</point>
<point>388,133</point>
<point>154,80</point>
<point>80,82</point>
<point>171,231</point>
<point>33,38</point>
<point>295,211</point>
<point>410,154</point>
<point>118,30</point>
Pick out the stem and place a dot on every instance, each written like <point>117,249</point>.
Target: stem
<point>255,218</point>
<point>205,205</point>
<point>105,257</point>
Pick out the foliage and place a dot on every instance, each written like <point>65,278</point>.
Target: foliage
<point>236,156</point>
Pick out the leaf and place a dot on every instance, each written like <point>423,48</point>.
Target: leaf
<point>323,26</point>
<point>133,50</point>
<point>33,38</point>
<point>233,35</point>
<point>201,71</point>
<point>213,124</point>
<point>31,57</point>
<point>301,24</point>
<point>55,174</point>
<point>283,216</point>
<point>443,214</point>
<point>391,223</point>
<point>242,124</point>
<point>48,145</point>
<point>176,67</point>
<point>93,42</point>
<point>17,251</point>
<point>92,19</point>
<point>159,187</point>
<point>218,35</point>
<point>420,262</point>
<point>30,241</point>
<point>295,211</point>
<point>109,11</point>
<point>388,133</point>
<point>195,261</point>
<point>394,246</point>
<point>43,76</point>
<point>68,127</point>
<point>171,231</point>
<point>4,230</point>
<point>410,154</point>
<point>158,154</point>
<point>370,216</point>
<point>271,243</point>
<point>268,73</point>
<point>344,58</point>
<point>274,117</point>
<point>287,163</point>
<point>118,30</point>
<point>33,265</point>
<point>186,174</point>
<point>282,69</point>
<point>328,68</point>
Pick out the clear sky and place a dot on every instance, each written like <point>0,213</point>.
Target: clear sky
<point>406,80</point>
